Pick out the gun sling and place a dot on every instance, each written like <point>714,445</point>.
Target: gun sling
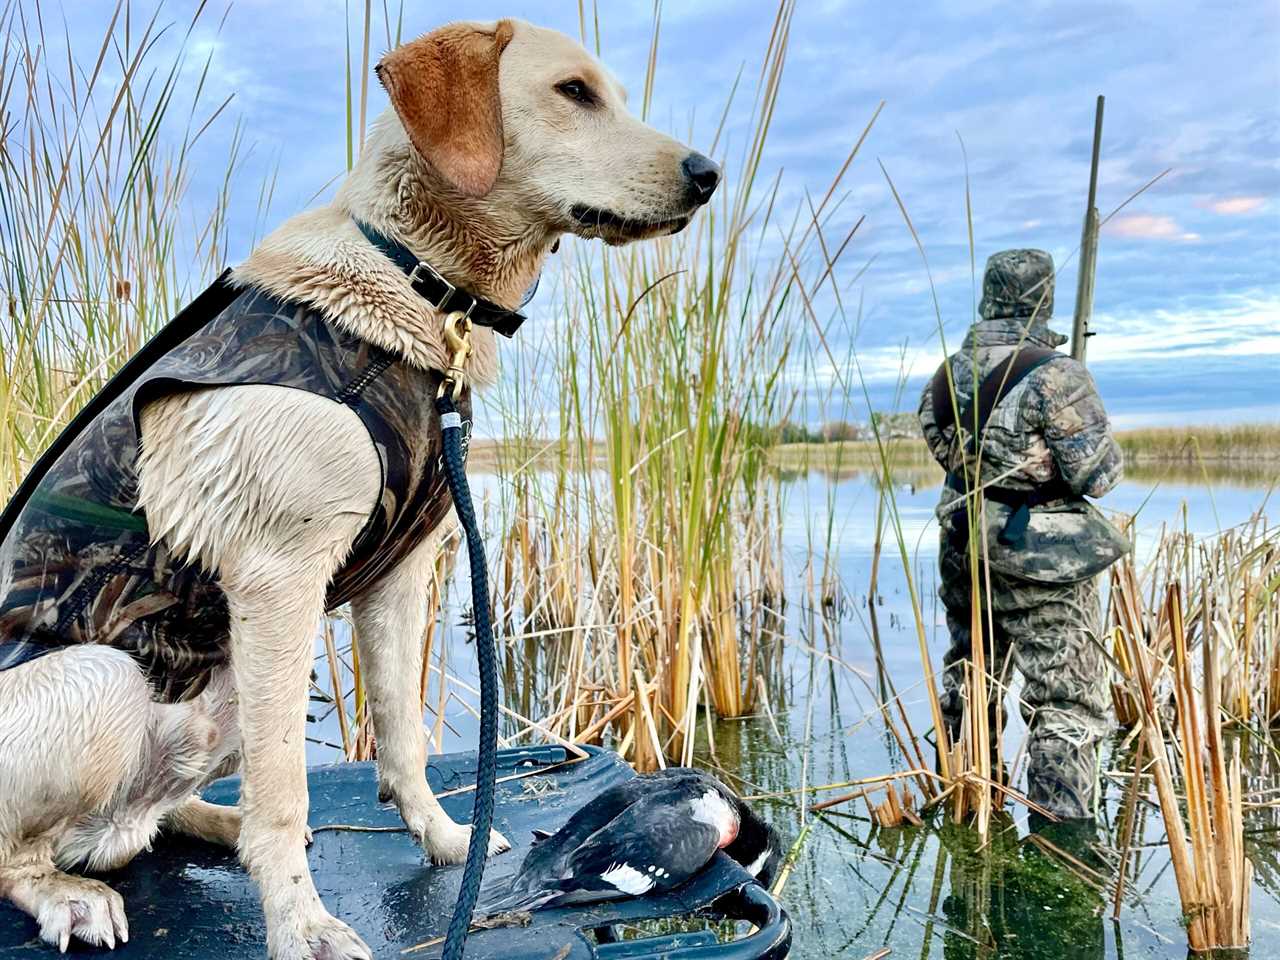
<point>995,386</point>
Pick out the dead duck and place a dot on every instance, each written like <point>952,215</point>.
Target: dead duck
<point>647,835</point>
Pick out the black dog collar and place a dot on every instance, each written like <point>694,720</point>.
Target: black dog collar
<point>440,293</point>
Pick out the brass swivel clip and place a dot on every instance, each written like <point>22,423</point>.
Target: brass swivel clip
<point>457,337</point>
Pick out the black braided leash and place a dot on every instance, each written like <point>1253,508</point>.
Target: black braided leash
<point>487,765</point>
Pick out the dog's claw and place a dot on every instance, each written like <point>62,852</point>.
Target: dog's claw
<point>118,919</point>
<point>85,909</point>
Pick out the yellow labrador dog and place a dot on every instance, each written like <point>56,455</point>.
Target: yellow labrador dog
<point>501,137</point>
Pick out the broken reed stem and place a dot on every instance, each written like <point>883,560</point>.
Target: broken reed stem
<point>894,810</point>
<point>1128,823</point>
<point>1213,875</point>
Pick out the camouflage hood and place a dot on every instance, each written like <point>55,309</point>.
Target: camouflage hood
<point>1017,283</point>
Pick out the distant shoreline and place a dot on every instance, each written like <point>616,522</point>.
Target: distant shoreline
<point>1250,448</point>
<point>1241,455</point>
<point>1242,443</point>
<point>1246,444</point>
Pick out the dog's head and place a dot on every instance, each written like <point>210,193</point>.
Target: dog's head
<point>527,116</point>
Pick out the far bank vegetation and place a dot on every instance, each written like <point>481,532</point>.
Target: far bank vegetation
<point>797,444</point>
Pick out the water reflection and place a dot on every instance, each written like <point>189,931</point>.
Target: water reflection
<point>924,892</point>
<point>1017,901</point>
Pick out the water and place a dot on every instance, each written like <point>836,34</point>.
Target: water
<point>926,892</point>
<point>923,891</point>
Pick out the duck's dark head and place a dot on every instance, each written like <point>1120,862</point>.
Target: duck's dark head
<point>757,846</point>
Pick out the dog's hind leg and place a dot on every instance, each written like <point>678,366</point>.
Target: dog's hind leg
<point>73,735</point>
<point>182,741</point>
<point>193,817</point>
<point>212,822</point>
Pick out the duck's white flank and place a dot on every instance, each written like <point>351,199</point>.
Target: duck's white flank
<point>628,879</point>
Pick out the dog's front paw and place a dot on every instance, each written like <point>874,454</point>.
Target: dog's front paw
<point>320,937</point>
<point>86,909</point>
<point>447,842</point>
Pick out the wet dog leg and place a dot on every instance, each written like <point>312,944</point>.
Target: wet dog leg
<point>74,728</point>
<point>390,620</point>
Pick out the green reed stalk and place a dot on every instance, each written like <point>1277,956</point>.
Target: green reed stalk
<point>97,248</point>
<point>671,364</point>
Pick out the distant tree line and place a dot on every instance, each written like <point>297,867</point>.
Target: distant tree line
<point>892,426</point>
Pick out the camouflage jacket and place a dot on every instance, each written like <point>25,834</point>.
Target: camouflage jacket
<point>1049,431</point>
<point>77,561</point>
<point>1051,426</point>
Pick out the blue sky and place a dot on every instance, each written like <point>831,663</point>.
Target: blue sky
<point>1188,284</point>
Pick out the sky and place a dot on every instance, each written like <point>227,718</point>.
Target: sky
<point>1187,301</point>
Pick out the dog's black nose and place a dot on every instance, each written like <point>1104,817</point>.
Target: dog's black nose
<point>703,176</point>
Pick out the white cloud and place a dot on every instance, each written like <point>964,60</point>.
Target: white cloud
<point>1238,326</point>
<point>1235,206</point>
<point>1145,226</point>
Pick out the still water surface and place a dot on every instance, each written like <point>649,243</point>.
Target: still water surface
<point>928,892</point>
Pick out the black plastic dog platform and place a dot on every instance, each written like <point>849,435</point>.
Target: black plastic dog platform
<point>191,901</point>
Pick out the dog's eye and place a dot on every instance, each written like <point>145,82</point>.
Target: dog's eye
<point>577,91</point>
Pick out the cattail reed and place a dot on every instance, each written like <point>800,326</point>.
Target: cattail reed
<point>1213,875</point>
<point>658,576</point>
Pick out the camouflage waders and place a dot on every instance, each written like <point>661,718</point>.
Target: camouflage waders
<point>1048,633</point>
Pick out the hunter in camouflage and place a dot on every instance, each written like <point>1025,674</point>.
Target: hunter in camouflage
<point>1045,446</point>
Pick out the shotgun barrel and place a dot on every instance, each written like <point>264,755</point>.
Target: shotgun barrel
<point>1088,250</point>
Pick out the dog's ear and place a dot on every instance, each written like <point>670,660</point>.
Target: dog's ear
<point>444,86</point>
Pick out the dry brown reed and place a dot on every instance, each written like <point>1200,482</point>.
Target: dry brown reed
<point>1215,597</point>
<point>1229,584</point>
<point>1213,875</point>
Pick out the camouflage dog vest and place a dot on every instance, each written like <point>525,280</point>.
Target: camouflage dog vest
<point>77,562</point>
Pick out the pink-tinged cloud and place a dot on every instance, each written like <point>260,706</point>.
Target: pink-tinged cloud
<point>1144,226</point>
<point>1236,206</point>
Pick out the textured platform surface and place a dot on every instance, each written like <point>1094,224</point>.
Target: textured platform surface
<point>191,901</point>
